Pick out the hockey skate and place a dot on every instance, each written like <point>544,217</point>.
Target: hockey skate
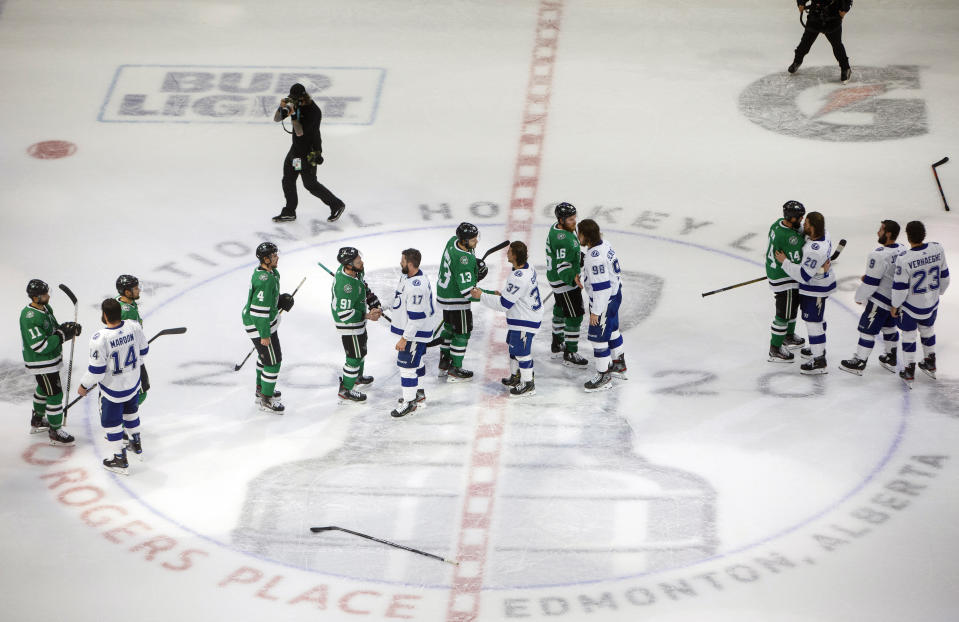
<point>814,366</point>
<point>126,439</point>
<point>853,365</point>
<point>351,395</point>
<point>60,437</point>
<point>259,394</point>
<point>573,359</point>
<point>600,382</point>
<point>135,446</point>
<point>458,374</point>
<point>928,365</point>
<point>618,367</point>
<point>38,423</point>
<point>805,354</point>
<point>405,408</point>
<point>364,381</point>
<point>512,381</point>
<point>908,374</point>
<point>335,213</point>
<point>845,74</point>
<point>792,341</point>
<point>556,347</point>
<point>525,389</point>
<point>285,215</point>
<point>780,355</point>
<point>270,405</point>
<point>445,364</point>
<point>420,398</point>
<point>118,464</point>
<point>888,360</point>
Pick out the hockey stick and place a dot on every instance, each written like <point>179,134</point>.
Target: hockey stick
<point>499,246</point>
<point>386,542</point>
<point>936,173</point>
<point>73,341</point>
<point>388,318</point>
<point>250,353</point>
<point>166,331</point>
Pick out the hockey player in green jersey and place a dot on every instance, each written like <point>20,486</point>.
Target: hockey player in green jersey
<point>563,262</point>
<point>785,235</point>
<point>43,342</point>
<point>128,288</point>
<point>260,319</point>
<point>460,271</point>
<point>351,297</point>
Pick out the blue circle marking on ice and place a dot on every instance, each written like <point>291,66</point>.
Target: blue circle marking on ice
<point>879,466</point>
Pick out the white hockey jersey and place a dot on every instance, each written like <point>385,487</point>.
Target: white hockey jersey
<point>413,309</point>
<point>877,281</point>
<point>812,280</point>
<point>921,277</point>
<point>600,276</point>
<point>520,299</point>
<point>115,358</point>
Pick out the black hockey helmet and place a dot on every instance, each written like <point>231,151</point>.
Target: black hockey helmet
<point>793,209</point>
<point>36,287</point>
<point>466,231</point>
<point>265,249</point>
<point>125,282</point>
<point>346,255</point>
<point>564,210</point>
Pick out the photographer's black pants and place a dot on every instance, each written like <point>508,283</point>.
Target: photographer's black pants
<point>833,32</point>
<point>308,173</point>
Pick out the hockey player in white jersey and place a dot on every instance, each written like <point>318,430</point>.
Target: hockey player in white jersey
<point>413,320</point>
<point>816,281</point>
<point>116,354</point>
<point>521,301</point>
<point>601,283</point>
<point>875,291</point>
<point>922,276</point>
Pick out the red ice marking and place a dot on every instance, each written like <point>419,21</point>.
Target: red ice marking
<point>51,149</point>
<point>473,542</point>
<point>843,98</point>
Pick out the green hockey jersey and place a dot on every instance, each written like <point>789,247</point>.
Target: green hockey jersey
<point>562,259</point>
<point>260,315</point>
<point>349,303</point>
<point>789,241</point>
<point>129,311</point>
<point>457,277</point>
<point>42,349</point>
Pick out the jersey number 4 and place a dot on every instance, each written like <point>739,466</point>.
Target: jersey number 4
<point>130,361</point>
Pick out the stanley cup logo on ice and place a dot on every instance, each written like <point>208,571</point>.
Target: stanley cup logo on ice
<point>182,94</point>
<point>611,512</point>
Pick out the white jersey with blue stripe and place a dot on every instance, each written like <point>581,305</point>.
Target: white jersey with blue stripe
<point>413,309</point>
<point>877,281</point>
<point>921,277</point>
<point>520,299</point>
<point>600,276</point>
<point>813,281</point>
<point>116,355</point>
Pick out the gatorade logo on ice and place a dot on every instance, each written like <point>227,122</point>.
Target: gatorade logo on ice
<point>875,105</point>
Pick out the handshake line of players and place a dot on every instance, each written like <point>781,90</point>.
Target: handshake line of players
<point>571,269</point>
<point>901,290</point>
<point>115,365</point>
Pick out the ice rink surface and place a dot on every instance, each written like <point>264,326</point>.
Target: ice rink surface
<point>710,485</point>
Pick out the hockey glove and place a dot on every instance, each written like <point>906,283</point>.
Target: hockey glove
<point>69,330</point>
<point>285,302</point>
<point>144,379</point>
<point>371,300</point>
<point>481,270</point>
<point>315,158</point>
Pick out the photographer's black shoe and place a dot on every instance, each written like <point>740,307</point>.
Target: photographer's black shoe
<point>845,74</point>
<point>285,215</point>
<point>335,213</point>
<point>794,66</point>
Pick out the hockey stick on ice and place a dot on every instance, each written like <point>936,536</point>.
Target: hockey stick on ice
<point>833,257</point>
<point>166,331</point>
<point>386,542</point>
<point>73,341</point>
<point>388,318</point>
<point>250,353</point>
<point>936,173</point>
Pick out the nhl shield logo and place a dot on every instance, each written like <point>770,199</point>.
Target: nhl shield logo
<point>812,104</point>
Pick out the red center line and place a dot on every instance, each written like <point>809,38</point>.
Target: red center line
<point>474,533</point>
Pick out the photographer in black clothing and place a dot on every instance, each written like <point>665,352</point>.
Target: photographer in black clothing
<point>305,154</point>
<point>825,17</point>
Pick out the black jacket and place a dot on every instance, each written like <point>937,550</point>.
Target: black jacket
<point>309,116</point>
<point>825,10</point>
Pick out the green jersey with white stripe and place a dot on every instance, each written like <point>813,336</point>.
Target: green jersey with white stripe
<point>42,348</point>
<point>457,277</point>
<point>562,259</point>
<point>261,310</point>
<point>349,303</point>
<point>129,311</point>
<point>789,241</point>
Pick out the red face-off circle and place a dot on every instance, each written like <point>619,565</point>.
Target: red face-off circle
<point>52,149</point>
